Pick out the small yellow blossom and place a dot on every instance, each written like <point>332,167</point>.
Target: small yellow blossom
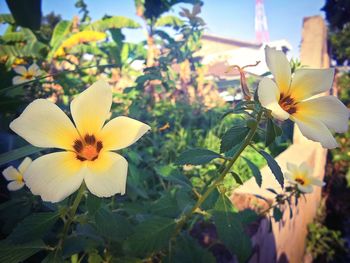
<point>15,176</point>
<point>302,177</point>
<point>292,98</point>
<point>79,38</point>
<point>87,146</point>
<point>25,74</point>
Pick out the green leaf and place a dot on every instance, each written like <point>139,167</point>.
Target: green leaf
<point>236,177</point>
<point>18,153</point>
<point>34,226</point>
<point>255,170</point>
<point>10,253</point>
<point>151,235</point>
<point>277,214</point>
<point>197,156</point>
<point>93,203</point>
<point>112,22</point>
<point>274,167</point>
<point>112,226</point>
<point>61,30</point>
<point>6,19</point>
<point>169,21</point>
<point>232,137</point>
<point>230,229</point>
<point>272,131</point>
<point>165,206</point>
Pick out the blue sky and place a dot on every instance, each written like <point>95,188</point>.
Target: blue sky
<point>228,18</point>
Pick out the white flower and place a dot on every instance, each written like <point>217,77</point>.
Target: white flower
<point>291,98</point>
<point>88,145</point>
<point>15,176</point>
<point>26,74</point>
<point>302,177</point>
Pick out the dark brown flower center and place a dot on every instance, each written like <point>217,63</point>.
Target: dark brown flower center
<point>87,149</point>
<point>288,104</point>
<point>300,181</point>
<point>28,76</point>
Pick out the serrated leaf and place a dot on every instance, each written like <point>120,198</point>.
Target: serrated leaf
<point>10,253</point>
<point>274,167</point>
<point>233,137</point>
<point>197,156</point>
<point>32,227</point>
<point>165,206</point>
<point>230,229</point>
<point>272,131</point>
<point>151,235</point>
<point>18,153</point>
<point>255,170</point>
<point>277,214</point>
<point>112,226</point>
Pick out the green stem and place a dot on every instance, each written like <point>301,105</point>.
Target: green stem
<point>71,213</point>
<point>221,177</point>
<point>282,201</point>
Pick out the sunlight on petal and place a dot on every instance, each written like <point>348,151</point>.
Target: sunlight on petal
<point>24,165</point>
<point>107,175</point>
<point>10,173</point>
<point>20,70</point>
<point>44,124</point>
<point>122,132</point>
<point>19,80</point>
<point>15,185</point>
<point>90,108</point>
<point>55,176</point>
<point>279,66</point>
<point>309,82</point>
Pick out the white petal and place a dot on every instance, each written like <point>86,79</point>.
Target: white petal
<point>90,108</point>
<point>279,66</point>
<point>317,182</point>
<point>44,124</point>
<point>34,70</point>
<point>327,109</point>
<point>292,167</point>
<point>19,80</point>
<point>289,177</point>
<point>55,176</point>
<point>24,165</point>
<point>305,189</point>
<point>122,132</point>
<point>11,173</point>
<point>304,168</point>
<point>20,70</point>
<point>309,82</point>
<point>15,185</point>
<point>316,131</point>
<point>269,96</point>
<point>106,176</point>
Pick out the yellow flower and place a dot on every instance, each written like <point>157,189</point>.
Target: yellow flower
<point>88,145</point>
<point>26,74</point>
<point>302,177</point>
<point>292,98</point>
<point>79,38</point>
<point>15,176</point>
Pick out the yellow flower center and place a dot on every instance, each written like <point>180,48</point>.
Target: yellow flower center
<point>300,181</point>
<point>28,75</point>
<point>87,149</point>
<point>288,104</point>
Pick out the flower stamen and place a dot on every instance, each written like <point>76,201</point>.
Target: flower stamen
<point>89,149</point>
<point>288,104</point>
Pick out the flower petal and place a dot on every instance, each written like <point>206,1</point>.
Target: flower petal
<point>15,185</point>
<point>292,167</point>
<point>90,108</point>
<point>44,124</point>
<point>55,176</point>
<point>20,70</point>
<point>317,182</point>
<point>269,96</point>
<point>11,173</point>
<point>309,82</point>
<point>279,66</point>
<point>315,130</point>
<point>305,188</point>
<point>24,165</point>
<point>122,132</point>
<point>34,70</point>
<point>106,176</point>
<point>327,109</point>
<point>19,80</point>
<point>289,177</point>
